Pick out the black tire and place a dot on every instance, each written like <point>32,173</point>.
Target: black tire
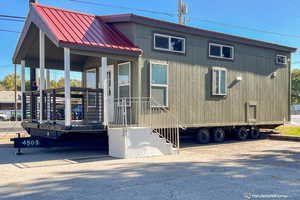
<point>254,133</point>
<point>2,119</point>
<point>202,136</point>
<point>241,133</point>
<point>218,135</point>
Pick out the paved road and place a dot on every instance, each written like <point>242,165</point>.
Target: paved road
<point>10,126</point>
<point>295,120</point>
<point>230,171</point>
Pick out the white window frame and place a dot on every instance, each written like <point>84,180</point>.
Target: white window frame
<point>169,43</point>
<point>93,70</point>
<point>160,85</point>
<point>221,50</point>
<point>214,93</point>
<point>285,57</point>
<point>124,84</point>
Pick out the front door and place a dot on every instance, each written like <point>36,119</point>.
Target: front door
<point>110,92</point>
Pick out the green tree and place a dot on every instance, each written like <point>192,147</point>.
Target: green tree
<point>295,93</point>
<point>8,82</point>
<point>61,83</point>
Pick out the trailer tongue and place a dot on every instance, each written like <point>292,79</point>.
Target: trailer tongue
<point>87,141</point>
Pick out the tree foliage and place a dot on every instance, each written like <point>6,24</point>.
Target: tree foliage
<point>8,83</point>
<point>295,93</point>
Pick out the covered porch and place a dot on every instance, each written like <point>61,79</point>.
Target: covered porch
<point>94,49</point>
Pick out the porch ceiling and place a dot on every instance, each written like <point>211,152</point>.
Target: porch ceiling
<point>54,55</point>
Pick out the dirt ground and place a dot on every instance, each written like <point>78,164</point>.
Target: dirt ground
<point>234,170</point>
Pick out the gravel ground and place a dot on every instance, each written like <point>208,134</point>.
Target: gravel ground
<point>234,170</point>
<point>10,126</point>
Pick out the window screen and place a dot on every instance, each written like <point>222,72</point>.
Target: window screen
<point>159,83</point>
<point>215,50</point>
<point>227,52</point>
<point>162,42</point>
<point>177,44</point>
<point>124,80</point>
<point>219,83</point>
<point>91,79</point>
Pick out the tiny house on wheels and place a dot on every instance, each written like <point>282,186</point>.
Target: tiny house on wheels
<point>146,75</point>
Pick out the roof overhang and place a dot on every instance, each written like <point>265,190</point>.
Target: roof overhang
<point>192,30</point>
<point>34,18</point>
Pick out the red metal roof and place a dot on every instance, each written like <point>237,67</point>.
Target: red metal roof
<point>83,29</point>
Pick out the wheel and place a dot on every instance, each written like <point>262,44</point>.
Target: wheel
<point>203,136</point>
<point>241,133</point>
<point>254,133</point>
<point>218,135</point>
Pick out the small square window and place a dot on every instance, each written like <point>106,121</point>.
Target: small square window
<point>221,51</point>
<point>177,44</point>
<point>215,50</point>
<point>281,60</point>
<point>162,42</point>
<point>227,52</point>
<point>169,43</point>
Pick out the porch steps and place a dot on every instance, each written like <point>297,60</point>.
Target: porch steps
<point>167,147</point>
<point>137,142</point>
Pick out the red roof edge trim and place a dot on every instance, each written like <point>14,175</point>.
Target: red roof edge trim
<point>61,9</point>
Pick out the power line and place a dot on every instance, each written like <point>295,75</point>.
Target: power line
<point>248,28</point>
<point>12,16</point>
<point>20,19</point>
<point>14,20</point>
<point>195,18</point>
<point>123,7</point>
<point>9,31</point>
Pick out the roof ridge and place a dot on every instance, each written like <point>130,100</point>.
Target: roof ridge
<point>62,9</point>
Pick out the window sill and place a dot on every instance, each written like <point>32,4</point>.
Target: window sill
<point>169,51</point>
<point>159,107</point>
<point>221,58</point>
<point>219,95</point>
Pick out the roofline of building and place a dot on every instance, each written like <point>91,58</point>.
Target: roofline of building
<point>192,30</point>
<point>34,18</point>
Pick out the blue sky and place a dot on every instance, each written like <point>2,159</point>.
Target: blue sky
<point>270,15</point>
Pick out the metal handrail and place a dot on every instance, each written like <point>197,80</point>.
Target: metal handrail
<point>171,114</point>
<point>139,112</point>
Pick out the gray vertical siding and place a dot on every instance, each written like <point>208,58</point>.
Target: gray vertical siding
<point>190,96</point>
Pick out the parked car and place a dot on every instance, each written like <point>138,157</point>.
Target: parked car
<point>77,112</point>
<point>12,115</point>
<point>3,117</point>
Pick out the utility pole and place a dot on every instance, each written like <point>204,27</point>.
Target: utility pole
<point>182,11</point>
<point>16,103</point>
<point>32,1</point>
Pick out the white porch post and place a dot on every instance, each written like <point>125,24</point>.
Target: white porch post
<point>67,87</point>
<point>104,85</point>
<point>83,79</point>
<point>47,78</point>
<point>23,82</point>
<point>42,73</point>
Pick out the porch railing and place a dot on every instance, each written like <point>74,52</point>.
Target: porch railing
<point>145,112</point>
<point>86,105</point>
